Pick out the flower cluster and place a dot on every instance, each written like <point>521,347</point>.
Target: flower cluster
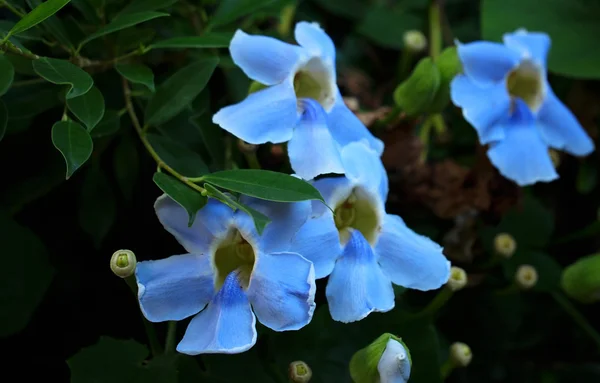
<point>231,275</point>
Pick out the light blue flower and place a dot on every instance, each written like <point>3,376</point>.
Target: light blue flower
<point>302,103</point>
<point>504,93</point>
<point>363,249</point>
<point>230,277</point>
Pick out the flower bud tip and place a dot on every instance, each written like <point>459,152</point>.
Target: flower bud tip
<point>505,245</point>
<point>415,40</point>
<point>300,372</point>
<point>460,354</point>
<point>123,263</point>
<point>526,277</point>
<point>458,279</point>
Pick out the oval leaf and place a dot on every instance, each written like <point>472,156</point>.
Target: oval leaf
<point>37,15</point>
<point>188,198</point>
<point>180,158</point>
<point>179,90</point>
<point>74,143</point>
<point>63,72</point>
<point>211,40</point>
<point>96,205</point>
<point>386,27</point>
<point>110,124</point>
<point>137,73</point>
<point>122,22</point>
<point>3,119</point>
<point>89,107</point>
<point>265,184</point>
<point>7,73</point>
<point>415,94</point>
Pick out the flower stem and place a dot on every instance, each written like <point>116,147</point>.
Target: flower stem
<point>8,47</point>
<point>11,8</point>
<point>435,29</point>
<point>155,347</point>
<point>446,369</point>
<point>577,317</point>
<point>142,134</point>
<point>171,333</point>
<point>437,303</point>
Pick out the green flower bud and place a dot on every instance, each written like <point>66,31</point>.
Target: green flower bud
<point>581,280</point>
<point>526,277</point>
<point>460,354</point>
<point>414,40</point>
<point>449,66</point>
<point>385,360</point>
<point>505,245</point>
<point>457,280</point>
<point>300,372</point>
<point>415,94</point>
<point>123,263</point>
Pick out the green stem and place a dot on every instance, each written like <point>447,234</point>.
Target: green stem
<point>170,342</point>
<point>252,159</point>
<point>11,8</point>
<point>437,303</point>
<point>32,81</point>
<point>446,369</point>
<point>577,317</point>
<point>8,47</point>
<point>404,67</point>
<point>435,29</point>
<point>438,124</point>
<point>155,347</point>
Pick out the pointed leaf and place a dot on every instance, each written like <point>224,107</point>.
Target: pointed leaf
<point>230,10</point>
<point>146,5</point>
<point>74,143</point>
<point>180,158</point>
<point>188,198</point>
<point>260,220</point>
<point>210,40</point>
<point>97,206</point>
<point>179,90</point>
<point>3,119</point>
<point>265,184</point>
<point>63,72</point>
<point>122,22</point>
<point>110,124</point>
<point>37,15</point>
<point>137,74</point>
<point>7,73</point>
<point>88,108</point>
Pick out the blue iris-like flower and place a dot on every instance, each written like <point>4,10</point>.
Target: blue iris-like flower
<point>302,103</point>
<point>230,275</point>
<point>505,95</point>
<point>363,249</point>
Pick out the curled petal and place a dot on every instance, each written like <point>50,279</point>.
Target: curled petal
<point>534,45</point>
<point>174,288</point>
<point>314,39</point>
<point>394,365</point>
<point>486,62</point>
<point>363,167</point>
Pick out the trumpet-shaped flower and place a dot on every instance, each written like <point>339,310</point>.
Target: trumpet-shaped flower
<point>301,103</point>
<point>361,248</point>
<point>230,277</point>
<point>504,93</point>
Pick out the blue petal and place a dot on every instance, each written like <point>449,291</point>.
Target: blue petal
<point>286,219</point>
<point>486,62</point>
<point>522,155</point>
<point>174,288</point>
<point>265,59</point>
<point>312,149</point>
<point>318,241</point>
<point>226,326</point>
<point>346,127</point>
<point>357,286</point>
<point>268,115</point>
<point>334,190</point>
<point>363,166</point>
<point>482,106</point>
<point>394,364</point>
<point>534,45</point>
<point>409,259</point>
<point>560,129</point>
<point>315,40</point>
<point>212,221</point>
<point>282,290</point>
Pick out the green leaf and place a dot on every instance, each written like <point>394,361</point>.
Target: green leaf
<point>122,22</point>
<point>87,10</point>
<point>180,158</point>
<point>260,220</point>
<point>97,207</point>
<point>449,66</point>
<point>74,143</point>
<point>230,10</point>
<point>126,165</point>
<point>146,5</point>
<point>386,27</point>
<point>571,24</point>
<point>179,90</point>
<point>109,125</point>
<point>265,184</point>
<point>531,224</point>
<point>212,136</point>
<point>25,277</point>
<point>7,73</point>
<point>3,119</point>
<point>352,9</point>
<point>137,74</point>
<point>63,72</point>
<point>414,95</point>
<point>210,40</point>
<point>37,15</point>
<point>188,198</point>
<point>88,108</point>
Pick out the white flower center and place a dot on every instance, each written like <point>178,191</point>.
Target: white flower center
<point>357,212</point>
<point>234,253</point>
<point>315,80</point>
<point>527,83</point>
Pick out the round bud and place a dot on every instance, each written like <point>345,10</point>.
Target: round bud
<point>457,280</point>
<point>505,245</point>
<point>460,354</point>
<point>300,372</point>
<point>123,263</point>
<point>526,277</point>
<point>385,360</point>
<point>415,40</point>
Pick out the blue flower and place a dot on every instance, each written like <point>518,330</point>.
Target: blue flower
<point>302,103</point>
<point>230,277</point>
<point>504,93</point>
<point>363,249</point>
